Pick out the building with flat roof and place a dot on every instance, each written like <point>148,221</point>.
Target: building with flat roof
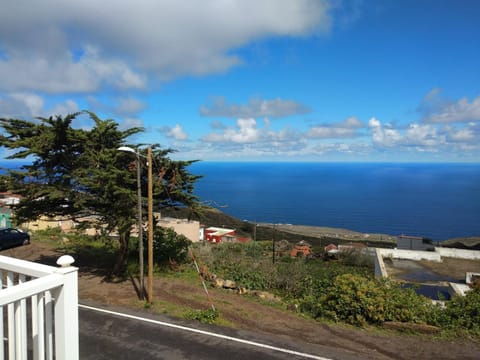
<point>189,228</point>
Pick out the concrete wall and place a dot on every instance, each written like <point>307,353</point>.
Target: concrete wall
<point>458,253</point>
<point>410,254</point>
<point>188,228</point>
<point>380,270</point>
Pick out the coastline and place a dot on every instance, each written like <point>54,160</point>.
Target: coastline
<point>330,232</point>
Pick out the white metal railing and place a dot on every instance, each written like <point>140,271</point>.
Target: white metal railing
<point>38,310</point>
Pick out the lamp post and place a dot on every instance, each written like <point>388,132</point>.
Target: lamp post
<point>150,226</point>
<point>140,222</point>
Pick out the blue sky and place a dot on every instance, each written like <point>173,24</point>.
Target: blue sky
<point>255,80</point>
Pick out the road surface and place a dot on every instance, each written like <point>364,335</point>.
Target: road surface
<point>125,334</point>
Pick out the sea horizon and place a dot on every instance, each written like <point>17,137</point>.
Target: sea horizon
<point>434,200</point>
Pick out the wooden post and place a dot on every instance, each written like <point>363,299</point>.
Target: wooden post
<point>140,226</point>
<point>150,226</point>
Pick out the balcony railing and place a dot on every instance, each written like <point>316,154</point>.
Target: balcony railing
<point>38,310</point>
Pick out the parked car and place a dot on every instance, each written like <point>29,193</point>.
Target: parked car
<point>11,237</point>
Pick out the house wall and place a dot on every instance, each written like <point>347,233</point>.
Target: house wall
<point>413,243</point>
<point>45,223</point>
<point>188,228</point>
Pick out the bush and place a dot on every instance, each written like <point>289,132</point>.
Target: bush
<point>169,246</point>
<point>357,258</point>
<point>358,300</point>
<point>204,316</point>
<point>463,312</point>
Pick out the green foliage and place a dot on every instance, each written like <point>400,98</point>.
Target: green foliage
<point>78,173</point>
<point>169,246</point>
<point>359,300</point>
<point>204,316</point>
<point>463,312</point>
<point>343,291</point>
<point>356,258</point>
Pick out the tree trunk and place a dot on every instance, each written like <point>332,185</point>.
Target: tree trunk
<point>122,257</point>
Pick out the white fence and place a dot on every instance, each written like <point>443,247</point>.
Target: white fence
<point>38,310</point>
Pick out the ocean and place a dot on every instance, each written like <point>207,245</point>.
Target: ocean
<point>437,201</point>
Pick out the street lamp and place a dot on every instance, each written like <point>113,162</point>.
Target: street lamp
<point>140,222</point>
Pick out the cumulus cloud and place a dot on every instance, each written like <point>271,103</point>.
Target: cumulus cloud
<point>68,107</point>
<point>345,129</point>
<point>255,108</point>
<point>383,136</point>
<point>438,109</point>
<point>422,137</point>
<point>79,46</point>
<point>470,133</point>
<point>246,132</point>
<point>460,111</point>
<point>176,132</point>
<point>23,71</point>
<point>30,105</point>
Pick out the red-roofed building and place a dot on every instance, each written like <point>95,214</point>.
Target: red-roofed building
<point>301,248</point>
<point>217,235</point>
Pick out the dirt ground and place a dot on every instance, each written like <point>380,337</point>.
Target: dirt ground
<point>244,312</point>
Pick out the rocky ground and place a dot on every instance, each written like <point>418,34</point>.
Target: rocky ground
<point>245,312</point>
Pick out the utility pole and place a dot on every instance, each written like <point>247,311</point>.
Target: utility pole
<point>150,226</point>
<point>140,227</point>
<point>273,244</point>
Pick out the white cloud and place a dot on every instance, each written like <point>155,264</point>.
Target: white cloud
<point>68,107</point>
<point>470,133</point>
<point>420,137</point>
<point>32,102</point>
<point>351,123</point>
<point>423,135</point>
<point>436,109</point>
<point>246,132</point>
<point>383,137</point>
<point>460,111</point>
<point>345,129</point>
<point>255,108</point>
<point>30,105</point>
<point>80,46</point>
<point>176,132</point>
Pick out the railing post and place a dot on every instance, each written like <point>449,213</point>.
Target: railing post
<point>66,312</point>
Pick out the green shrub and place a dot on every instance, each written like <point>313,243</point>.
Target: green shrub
<point>463,312</point>
<point>204,316</point>
<point>168,246</point>
<point>359,300</point>
<point>356,258</point>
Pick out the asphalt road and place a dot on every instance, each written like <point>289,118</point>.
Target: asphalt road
<point>143,336</point>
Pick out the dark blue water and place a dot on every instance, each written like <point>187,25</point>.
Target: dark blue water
<point>434,292</point>
<point>438,201</point>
